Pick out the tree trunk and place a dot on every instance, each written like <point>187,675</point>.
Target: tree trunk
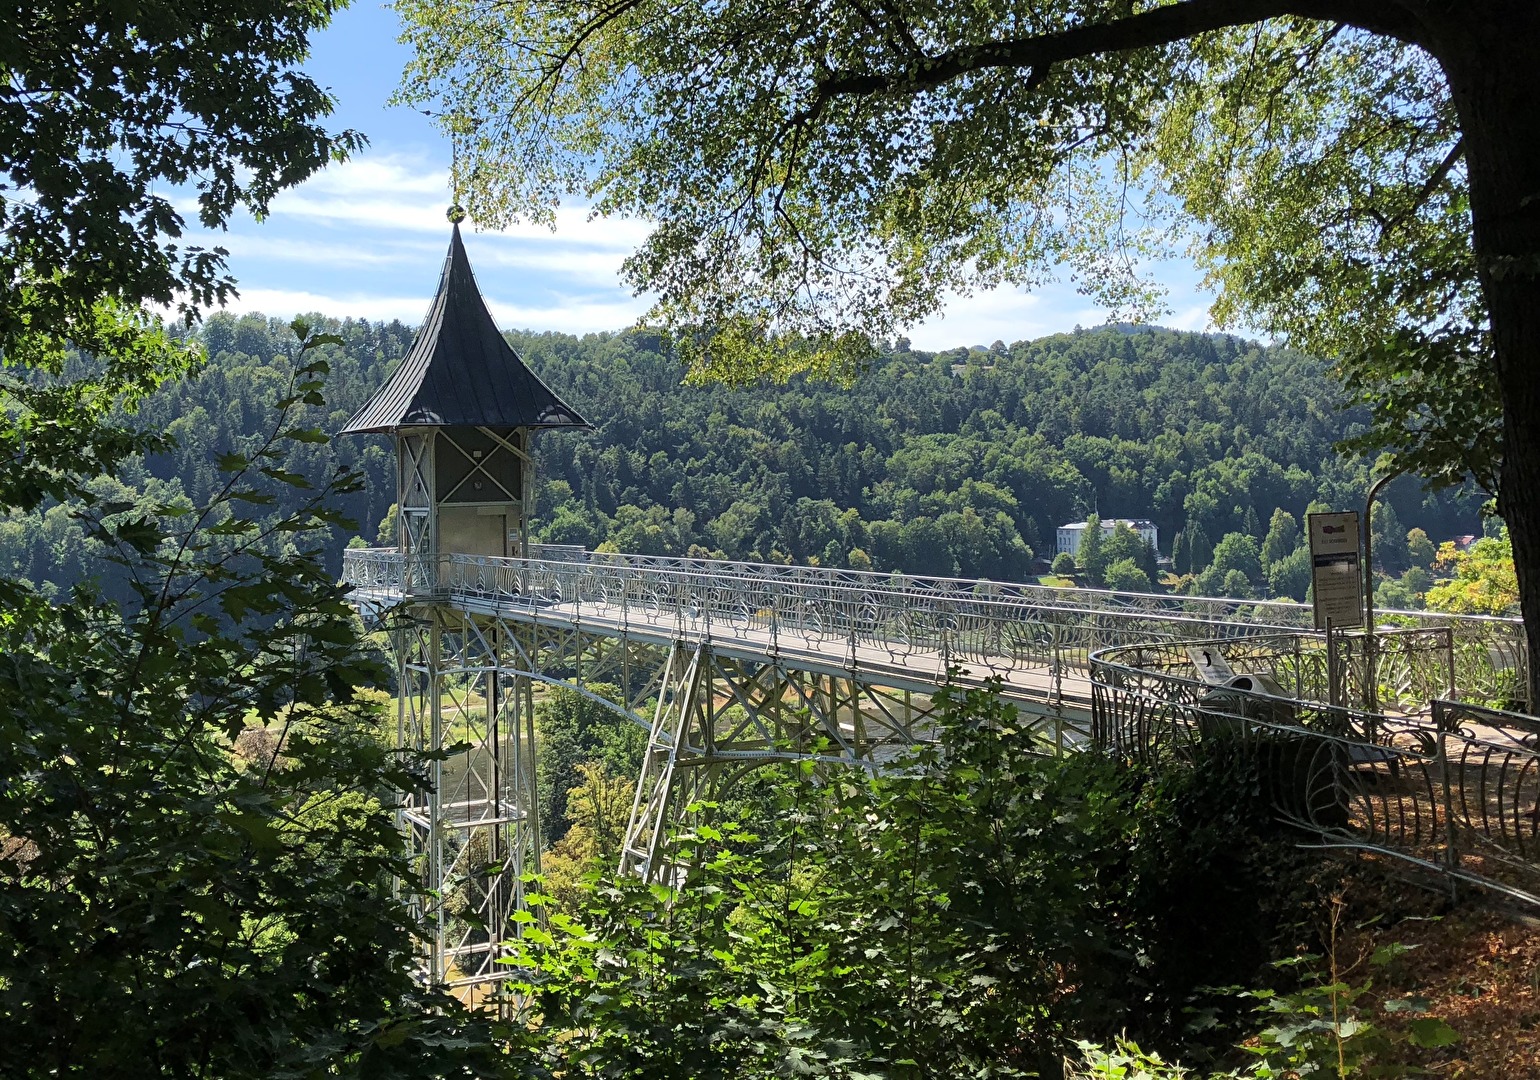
<point>1490,52</point>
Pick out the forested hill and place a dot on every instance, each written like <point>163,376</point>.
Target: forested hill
<point>959,462</point>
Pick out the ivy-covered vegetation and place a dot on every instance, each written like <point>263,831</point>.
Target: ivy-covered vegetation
<point>962,462</point>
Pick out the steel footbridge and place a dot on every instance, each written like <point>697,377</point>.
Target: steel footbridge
<point>731,665</point>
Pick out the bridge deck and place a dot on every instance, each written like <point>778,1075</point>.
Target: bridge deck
<point>1034,686</point>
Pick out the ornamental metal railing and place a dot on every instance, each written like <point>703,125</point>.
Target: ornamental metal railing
<point>858,619</point>
<point>999,626</point>
<point>1454,787</point>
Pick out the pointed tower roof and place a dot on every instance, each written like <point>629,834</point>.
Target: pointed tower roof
<point>460,372</point>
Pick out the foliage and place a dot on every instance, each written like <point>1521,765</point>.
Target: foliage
<point>915,467</point>
<point>1064,564</point>
<point>1124,1060</point>
<point>198,867</point>
<point>196,861</point>
<point>1181,560</point>
<point>927,921</point>
<point>1290,576</point>
<point>1093,556</point>
<point>1325,1028</point>
<point>1236,584</point>
<point>1124,543</point>
<point>1125,575</point>
<point>1281,539</point>
<point>106,113</point>
<point>576,731</point>
<point>1238,552</point>
<point>1420,549</point>
<point>1391,546</point>
<point>1200,551</point>
<point>1354,239</point>
<point>599,808</point>
<point>1481,581</point>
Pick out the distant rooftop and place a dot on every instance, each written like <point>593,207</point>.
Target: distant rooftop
<point>1132,523</point>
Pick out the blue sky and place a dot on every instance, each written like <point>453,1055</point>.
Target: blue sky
<point>367,238</point>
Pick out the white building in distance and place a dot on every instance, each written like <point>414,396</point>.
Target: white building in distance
<point>1070,535</point>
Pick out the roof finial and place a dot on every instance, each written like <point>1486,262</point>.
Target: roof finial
<point>456,213</point>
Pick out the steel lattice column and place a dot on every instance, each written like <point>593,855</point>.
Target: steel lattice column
<point>472,830</point>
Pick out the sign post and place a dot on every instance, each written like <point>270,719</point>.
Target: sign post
<point>1336,578</point>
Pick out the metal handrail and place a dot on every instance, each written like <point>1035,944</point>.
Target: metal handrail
<point>859,617</point>
<point>720,590</point>
<point>1452,790</point>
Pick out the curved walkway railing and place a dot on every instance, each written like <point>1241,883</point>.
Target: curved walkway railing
<point>1453,787</point>
<point>999,626</point>
<point>844,615</point>
<point>1437,776</point>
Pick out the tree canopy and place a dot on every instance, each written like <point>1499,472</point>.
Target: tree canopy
<point>960,462</point>
<point>1360,176</point>
<point>197,852</point>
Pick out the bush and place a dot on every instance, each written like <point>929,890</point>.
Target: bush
<point>1064,564</point>
<point>926,922</point>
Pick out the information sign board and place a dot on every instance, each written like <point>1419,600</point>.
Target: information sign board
<point>1336,575</point>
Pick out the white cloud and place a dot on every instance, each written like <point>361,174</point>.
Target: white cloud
<point>395,192</point>
<point>286,303</point>
<point>588,316</point>
<point>1194,318</point>
<point>365,238</point>
<point>574,316</point>
<point>1003,314</point>
<point>325,251</point>
<point>592,268</point>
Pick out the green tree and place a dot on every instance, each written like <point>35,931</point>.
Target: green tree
<point>1238,551</point>
<point>574,728</point>
<point>107,112</point>
<point>1235,585</point>
<point>1289,577</point>
<point>1480,581</point>
<point>385,534</point>
<point>1092,555</point>
<point>1200,551</point>
<point>931,921</point>
<point>1420,549</point>
<point>599,808</point>
<point>1208,582</point>
<point>854,167</point>
<point>1250,525</point>
<point>197,870</point>
<point>1392,551</point>
<point>1064,564</point>
<point>1181,561</point>
<point>179,897</point>
<point>1125,575</point>
<point>1124,543</point>
<point>1282,537</point>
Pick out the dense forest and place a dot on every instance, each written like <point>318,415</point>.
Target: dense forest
<point>961,462</point>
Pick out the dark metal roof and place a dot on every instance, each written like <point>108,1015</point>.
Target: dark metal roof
<point>460,372</point>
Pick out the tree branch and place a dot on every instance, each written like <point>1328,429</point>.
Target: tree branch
<point>1158,26</point>
<point>1434,181</point>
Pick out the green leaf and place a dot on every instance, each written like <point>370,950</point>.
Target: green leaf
<point>1387,953</point>
<point>1430,1031</point>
